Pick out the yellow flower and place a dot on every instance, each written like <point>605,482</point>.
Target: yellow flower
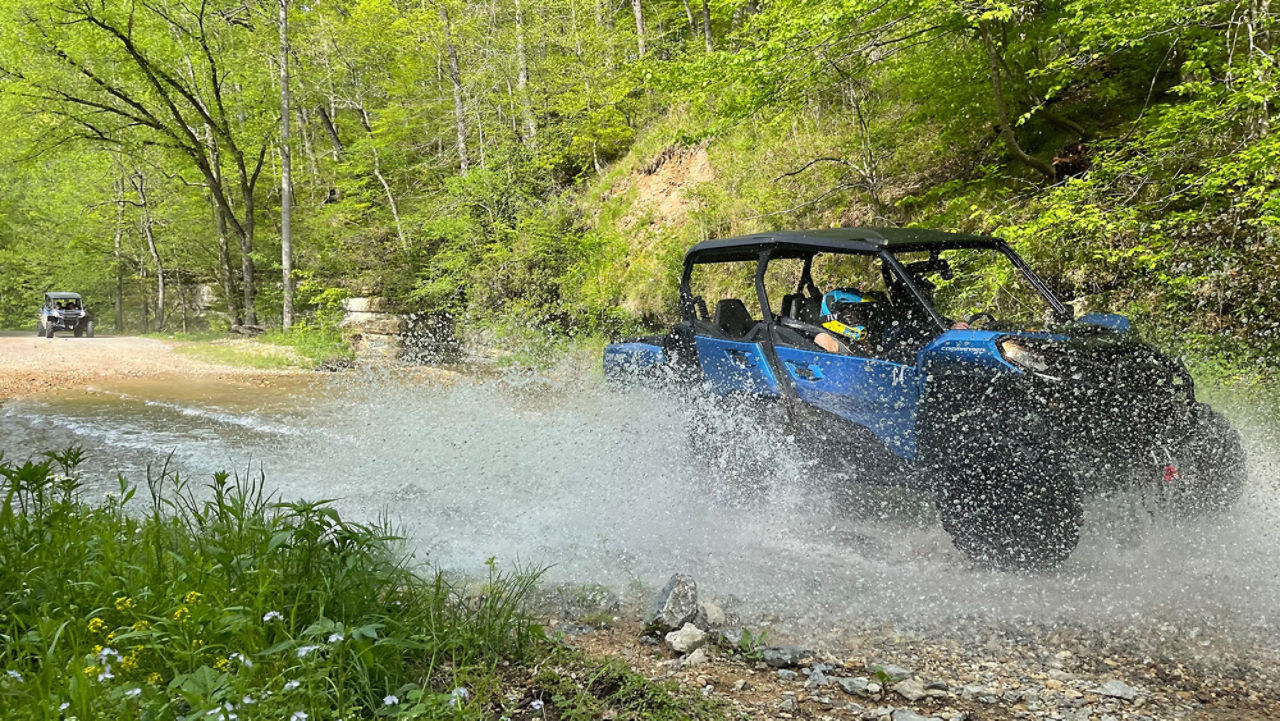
<point>154,679</point>
<point>221,664</point>
<point>91,670</point>
<point>182,614</point>
<point>141,626</point>
<point>197,643</point>
<point>97,625</point>
<point>124,603</point>
<point>192,598</point>
<point>97,649</point>
<point>111,637</point>
<point>129,663</point>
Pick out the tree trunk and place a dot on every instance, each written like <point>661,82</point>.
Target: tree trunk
<point>1004,127</point>
<point>639,11</point>
<point>455,77</point>
<point>140,184</point>
<point>522,78</point>
<point>332,130</point>
<point>119,262</point>
<point>706,22</point>
<point>224,267</point>
<point>688,14</point>
<point>286,175</point>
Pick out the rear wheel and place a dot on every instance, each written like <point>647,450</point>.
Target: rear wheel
<point>1023,513</point>
<point>88,329</point>
<point>79,330</point>
<point>40,328</point>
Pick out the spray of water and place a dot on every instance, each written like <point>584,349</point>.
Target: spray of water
<point>605,486</point>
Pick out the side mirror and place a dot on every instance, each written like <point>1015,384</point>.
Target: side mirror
<point>1113,321</point>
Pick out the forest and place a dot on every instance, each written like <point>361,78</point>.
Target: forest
<point>537,169</point>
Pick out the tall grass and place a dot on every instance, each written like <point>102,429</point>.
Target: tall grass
<point>216,600</point>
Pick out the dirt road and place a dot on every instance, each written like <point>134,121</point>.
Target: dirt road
<point>29,364</point>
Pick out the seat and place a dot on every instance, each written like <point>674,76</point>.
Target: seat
<point>733,318</point>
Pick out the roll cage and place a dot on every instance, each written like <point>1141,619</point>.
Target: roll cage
<point>883,243</point>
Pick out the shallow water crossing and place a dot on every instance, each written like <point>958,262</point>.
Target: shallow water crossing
<point>603,487</point>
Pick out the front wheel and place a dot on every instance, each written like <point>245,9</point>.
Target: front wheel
<point>1016,513</point>
<point>88,329</point>
<point>48,330</point>
<point>1206,474</point>
<point>39,329</point>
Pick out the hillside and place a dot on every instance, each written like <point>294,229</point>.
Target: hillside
<point>538,170</point>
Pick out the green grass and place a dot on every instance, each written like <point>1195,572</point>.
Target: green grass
<point>302,347</point>
<point>177,599</point>
<point>248,354</point>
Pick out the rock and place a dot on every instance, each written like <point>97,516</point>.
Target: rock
<point>687,639</point>
<point>817,679</point>
<point>936,685</point>
<point>902,714</point>
<point>728,638</point>
<point>889,672</point>
<point>709,616</point>
<point>854,686</point>
<point>786,674</point>
<point>1118,689</point>
<point>788,703</point>
<point>365,305</point>
<point>249,330</point>
<point>675,605</point>
<point>911,689</point>
<point>741,685</point>
<point>374,323</point>
<point>697,658</point>
<point>784,656</point>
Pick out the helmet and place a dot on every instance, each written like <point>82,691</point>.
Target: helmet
<point>844,313</point>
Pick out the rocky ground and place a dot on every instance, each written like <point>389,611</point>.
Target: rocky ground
<point>879,674</point>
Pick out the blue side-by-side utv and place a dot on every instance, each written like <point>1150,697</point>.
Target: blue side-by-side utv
<point>942,362</point>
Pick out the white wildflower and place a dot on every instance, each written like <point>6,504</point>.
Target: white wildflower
<point>335,637</point>
<point>64,706</point>
<point>458,696</point>
<point>304,650</point>
<point>106,654</point>
<point>247,701</point>
<point>298,716</point>
<point>14,675</point>
<point>390,700</point>
<point>133,692</point>
<point>244,660</point>
<point>106,674</point>
<point>292,685</point>
<point>272,616</point>
<point>536,704</point>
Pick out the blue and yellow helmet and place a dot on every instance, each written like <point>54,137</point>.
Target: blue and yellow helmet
<point>838,314</point>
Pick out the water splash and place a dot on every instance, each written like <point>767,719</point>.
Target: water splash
<point>605,487</point>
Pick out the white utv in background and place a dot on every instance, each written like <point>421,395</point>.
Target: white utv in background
<point>64,311</point>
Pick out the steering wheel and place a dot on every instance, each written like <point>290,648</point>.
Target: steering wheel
<point>973,319</point>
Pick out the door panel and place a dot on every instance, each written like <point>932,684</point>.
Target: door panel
<point>874,393</point>
<point>735,366</point>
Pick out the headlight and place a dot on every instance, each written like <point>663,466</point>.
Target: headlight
<point>1022,356</point>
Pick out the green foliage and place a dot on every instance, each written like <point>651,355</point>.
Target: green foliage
<point>1127,148</point>
<point>186,599</point>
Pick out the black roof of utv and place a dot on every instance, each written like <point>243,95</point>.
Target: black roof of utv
<point>63,296</point>
<point>801,243</point>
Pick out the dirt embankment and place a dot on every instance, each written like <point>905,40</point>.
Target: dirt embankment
<point>29,364</point>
